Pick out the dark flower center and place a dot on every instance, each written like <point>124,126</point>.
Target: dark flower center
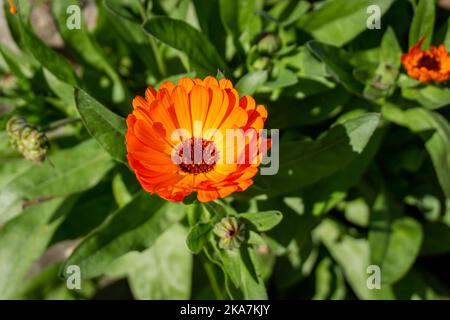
<point>231,233</point>
<point>430,63</point>
<point>197,155</point>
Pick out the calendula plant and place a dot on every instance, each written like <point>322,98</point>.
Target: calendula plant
<point>224,149</point>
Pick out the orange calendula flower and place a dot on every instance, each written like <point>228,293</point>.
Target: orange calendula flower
<point>427,65</point>
<point>178,139</point>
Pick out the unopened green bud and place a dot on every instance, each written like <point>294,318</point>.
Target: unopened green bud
<point>261,63</point>
<point>269,43</point>
<point>125,66</point>
<point>27,139</point>
<point>231,233</point>
<point>14,127</point>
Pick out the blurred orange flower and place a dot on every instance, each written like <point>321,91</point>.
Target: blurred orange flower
<point>168,127</point>
<point>427,65</point>
<point>12,8</point>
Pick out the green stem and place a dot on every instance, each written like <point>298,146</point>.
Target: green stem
<point>59,133</point>
<point>161,67</point>
<point>159,63</point>
<point>210,273</point>
<point>61,123</point>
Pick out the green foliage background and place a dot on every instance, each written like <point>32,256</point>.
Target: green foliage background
<point>364,173</point>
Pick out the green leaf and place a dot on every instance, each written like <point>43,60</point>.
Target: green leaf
<point>121,192</point>
<point>24,239</point>
<point>307,65</point>
<point>181,36</point>
<point>357,211</point>
<point>11,60</point>
<point>136,226</point>
<point>218,209</point>
<point>340,21</point>
<point>130,30</point>
<point>13,21</point>
<point>237,15</point>
<point>70,171</point>
<point>198,236</point>
<point>160,272</point>
<point>288,112</point>
<point>129,9</point>
<point>446,40</point>
<point>243,271</point>
<point>207,13</point>
<point>63,91</point>
<point>328,192</point>
<point>352,255</point>
<point>288,12</point>
<point>263,221</point>
<point>251,82</point>
<point>104,125</point>
<point>240,21</point>
<point>383,83</point>
<point>81,43</point>
<point>434,129</point>
<point>337,65</point>
<point>48,58</point>
<point>46,285</point>
<point>284,78</point>
<point>430,96</point>
<point>390,51</point>
<point>423,23</point>
<point>297,222</point>
<point>10,169</point>
<point>302,163</point>
<point>89,211</point>
<point>330,283</point>
<point>394,242</point>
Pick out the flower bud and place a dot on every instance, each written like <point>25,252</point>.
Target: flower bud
<point>231,233</point>
<point>269,43</point>
<point>27,139</point>
<point>14,128</point>
<point>262,63</point>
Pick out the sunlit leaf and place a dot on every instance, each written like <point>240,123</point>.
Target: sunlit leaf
<point>104,126</point>
<point>423,23</point>
<point>394,241</point>
<point>23,240</point>
<point>263,221</point>
<point>160,272</point>
<point>70,171</point>
<point>336,64</point>
<point>434,129</point>
<point>181,36</point>
<point>303,163</point>
<point>339,21</point>
<point>136,226</point>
